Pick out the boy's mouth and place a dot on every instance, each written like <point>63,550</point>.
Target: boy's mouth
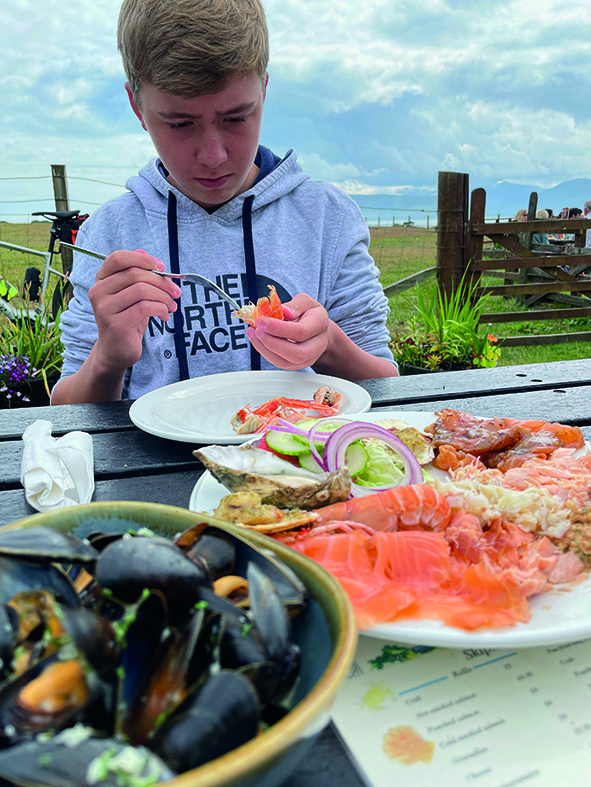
<point>213,183</point>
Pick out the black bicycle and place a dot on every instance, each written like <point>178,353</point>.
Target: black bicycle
<point>64,227</point>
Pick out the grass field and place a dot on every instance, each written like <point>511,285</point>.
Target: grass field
<point>398,252</point>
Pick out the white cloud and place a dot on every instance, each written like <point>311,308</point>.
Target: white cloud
<point>374,94</point>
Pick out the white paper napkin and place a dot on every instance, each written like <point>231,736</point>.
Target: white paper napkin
<point>56,472</point>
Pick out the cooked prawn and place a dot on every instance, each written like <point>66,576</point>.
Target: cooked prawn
<point>249,420</point>
<point>265,307</point>
<point>401,508</point>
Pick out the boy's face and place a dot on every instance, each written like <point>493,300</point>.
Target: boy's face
<point>208,143</point>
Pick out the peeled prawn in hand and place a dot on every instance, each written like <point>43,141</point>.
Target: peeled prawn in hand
<point>265,307</point>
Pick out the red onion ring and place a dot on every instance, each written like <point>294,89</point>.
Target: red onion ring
<point>337,444</point>
<point>315,433</point>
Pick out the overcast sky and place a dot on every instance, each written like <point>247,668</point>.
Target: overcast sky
<point>375,96</point>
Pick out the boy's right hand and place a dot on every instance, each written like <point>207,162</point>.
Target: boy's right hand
<point>125,295</point>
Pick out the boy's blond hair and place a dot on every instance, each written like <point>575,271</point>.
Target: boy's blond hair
<point>191,48</point>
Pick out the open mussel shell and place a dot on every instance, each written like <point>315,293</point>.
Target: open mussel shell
<point>43,544</point>
<point>94,636</point>
<point>63,761</point>
<point>129,565</point>
<point>213,546</point>
<point>51,694</point>
<point>164,682</point>
<point>142,636</point>
<point>17,576</point>
<point>217,541</point>
<point>221,713</point>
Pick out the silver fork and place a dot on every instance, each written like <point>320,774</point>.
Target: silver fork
<point>196,277</point>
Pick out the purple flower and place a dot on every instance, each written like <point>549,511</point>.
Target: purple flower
<point>14,371</point>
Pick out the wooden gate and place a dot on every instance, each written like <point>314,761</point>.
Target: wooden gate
<point>530,273</point>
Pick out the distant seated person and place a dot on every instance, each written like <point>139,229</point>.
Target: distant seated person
<point>521,215</point>
<point>541,237</point>
<point>564,213</point>
<point>550,213</point>
<point>573,213</point>
<point>587,210</point>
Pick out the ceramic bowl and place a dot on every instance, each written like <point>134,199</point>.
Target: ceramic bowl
<point>326,634</point>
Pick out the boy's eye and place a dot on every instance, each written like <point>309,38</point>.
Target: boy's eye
<point>183,124</point>
<point>236,119</point>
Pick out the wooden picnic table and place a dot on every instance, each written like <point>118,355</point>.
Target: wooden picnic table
<point>133,465</point>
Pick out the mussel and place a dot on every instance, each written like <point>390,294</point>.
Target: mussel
<point>140,657</point>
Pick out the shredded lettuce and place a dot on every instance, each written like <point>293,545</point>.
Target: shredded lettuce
<point>384,466</point>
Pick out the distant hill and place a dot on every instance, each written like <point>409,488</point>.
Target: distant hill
<point>503,199</point>
<point>508,198</point>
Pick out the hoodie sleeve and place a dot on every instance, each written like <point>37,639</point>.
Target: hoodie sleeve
<point>356,300</point>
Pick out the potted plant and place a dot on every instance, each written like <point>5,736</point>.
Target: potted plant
<point>30,360</point>
<point>445,335</point>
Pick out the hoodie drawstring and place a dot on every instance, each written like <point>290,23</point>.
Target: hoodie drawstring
<point>251,272</point>
<point>173,253</point>
<point>251,279</point>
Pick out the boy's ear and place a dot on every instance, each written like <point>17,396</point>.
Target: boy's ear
<point>134,105</point>
<point>265,85</point>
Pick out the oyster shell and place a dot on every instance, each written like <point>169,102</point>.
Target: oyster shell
<point>277,482</point>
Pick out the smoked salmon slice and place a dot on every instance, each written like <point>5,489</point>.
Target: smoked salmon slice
<point>464,577</point>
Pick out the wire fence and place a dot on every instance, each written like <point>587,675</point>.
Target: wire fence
<point>403,239</point>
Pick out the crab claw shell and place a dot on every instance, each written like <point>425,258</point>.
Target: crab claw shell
<point>277,482</point>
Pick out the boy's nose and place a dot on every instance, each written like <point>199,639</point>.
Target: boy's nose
<point>211,151</point>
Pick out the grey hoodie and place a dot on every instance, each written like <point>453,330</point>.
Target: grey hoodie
<point>308,237</point>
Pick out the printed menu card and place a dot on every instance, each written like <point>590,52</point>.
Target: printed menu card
<point>434,717</point>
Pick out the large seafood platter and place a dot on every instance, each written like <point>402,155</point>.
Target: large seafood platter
<point>143,643</point>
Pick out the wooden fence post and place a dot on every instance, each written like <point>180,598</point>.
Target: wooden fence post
<point>453,230</point>
<point>60,187</point>
<point>62,202</point>
<point>526,240</point>
<point>477,215</point>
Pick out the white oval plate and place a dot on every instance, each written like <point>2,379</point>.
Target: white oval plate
<point>199,410</point>
<point>557,616</point>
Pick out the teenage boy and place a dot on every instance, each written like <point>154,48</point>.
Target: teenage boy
<point>215,202</point>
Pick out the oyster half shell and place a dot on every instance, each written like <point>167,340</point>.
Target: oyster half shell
<point>277,482</point>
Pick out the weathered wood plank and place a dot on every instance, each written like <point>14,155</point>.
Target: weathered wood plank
<point>117,454</point>
<point>541,314</point>
<point>168,488</point>
<point>529,378</point>
<point>409,281</point>
<point>513,263</point>
<point>452,206</point>
<point>569,406</point>
<point>570,300</point>
<point>91,418</point>
<point>507,242</point>
<point>536,289</point>
<point>547,338</point>
<point>477,214</point>
<point>552,226</point>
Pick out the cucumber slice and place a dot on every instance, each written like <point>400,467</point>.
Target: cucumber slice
<point>356,458</point>
<point>285,443</point>
<point>308,461</point>
<point>309,423</point>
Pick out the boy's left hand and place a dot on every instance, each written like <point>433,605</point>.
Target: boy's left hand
<point>298,340</point>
